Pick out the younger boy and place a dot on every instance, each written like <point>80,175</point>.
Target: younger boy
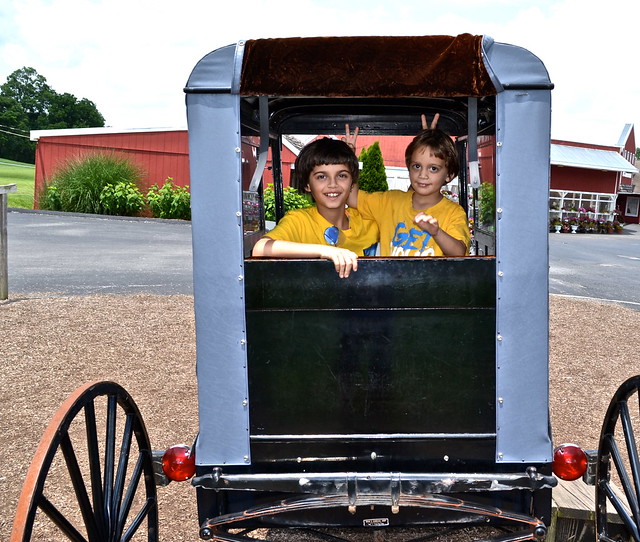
<point>420,221</point>
<point>327,169</point>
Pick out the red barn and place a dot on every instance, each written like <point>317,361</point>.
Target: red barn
<point>161,152</point>
<point>598,177</point>
<point>582,175</point>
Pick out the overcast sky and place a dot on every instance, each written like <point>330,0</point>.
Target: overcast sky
<point>132,58</point>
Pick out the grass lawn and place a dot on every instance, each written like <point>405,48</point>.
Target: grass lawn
<point>23,175</point>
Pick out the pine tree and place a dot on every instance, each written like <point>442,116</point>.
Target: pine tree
<point>373,177</point>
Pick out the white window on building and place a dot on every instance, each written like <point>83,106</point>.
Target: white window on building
<point>567,204</point>
<point>632,206</point>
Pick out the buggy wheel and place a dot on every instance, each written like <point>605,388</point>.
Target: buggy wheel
<point>92,474</point>
<point>618,466</point>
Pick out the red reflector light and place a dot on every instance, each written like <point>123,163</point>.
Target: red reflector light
<point>569,462</point>
<point>178,463</point>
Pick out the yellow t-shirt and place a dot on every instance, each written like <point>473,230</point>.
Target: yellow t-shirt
<point>399,235</point>
<point>309,226</point>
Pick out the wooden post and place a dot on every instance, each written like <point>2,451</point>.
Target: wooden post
<point>4,267</point>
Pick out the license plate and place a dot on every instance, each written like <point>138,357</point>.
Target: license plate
<point>375,522</point>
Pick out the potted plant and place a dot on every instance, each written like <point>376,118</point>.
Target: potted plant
<point>556,224</point>
<point>574,223</point>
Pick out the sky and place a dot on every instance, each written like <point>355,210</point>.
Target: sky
<point>132,58</point>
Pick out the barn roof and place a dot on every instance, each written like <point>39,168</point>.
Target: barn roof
<point>586,158</point>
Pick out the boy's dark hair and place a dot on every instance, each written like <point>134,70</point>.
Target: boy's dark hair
<point>325,151</point>
<point>441,145</point>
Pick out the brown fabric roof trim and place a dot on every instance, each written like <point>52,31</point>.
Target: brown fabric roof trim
<point>378,66</point>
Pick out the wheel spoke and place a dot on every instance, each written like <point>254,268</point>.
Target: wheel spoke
<point>79,486</point>
<point>109,460</point>
<point>94,463</point>
<point>61,522</point>
<point>122,471</point>
<point>632,450</point>
<point>131,491</point>
<point>137,521</point>
<point>621,509</point>
<point>618,462</point>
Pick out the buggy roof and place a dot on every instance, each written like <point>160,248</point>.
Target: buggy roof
<point>368,66</point>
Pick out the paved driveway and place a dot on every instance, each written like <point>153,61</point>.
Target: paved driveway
<point>67,254</point>
<point>597,266</point>
<point>72,254</point>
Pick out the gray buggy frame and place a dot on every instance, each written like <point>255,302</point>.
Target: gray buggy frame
<point>232,100</point>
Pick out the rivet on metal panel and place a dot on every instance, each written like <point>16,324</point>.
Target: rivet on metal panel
<point>500,400</point>
<point>238,149</point>
<point>499,210</point>
<point>500,455</point>
<point>500,274</point>
<point>246,459</point>
<point>240,277</point>
<point>245,403</point>
<point>374,456</point>
<point>243,342</point>
<point>499,144</point>
<point>499,337</point>
<point>238,213</point>
<point>446,458</point>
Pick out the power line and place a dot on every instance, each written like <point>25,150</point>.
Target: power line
<point>14,134</point>
<point>15,129</point>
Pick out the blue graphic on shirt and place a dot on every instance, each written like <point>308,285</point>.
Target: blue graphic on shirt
<point>410,241</point>
<point>371,251</point>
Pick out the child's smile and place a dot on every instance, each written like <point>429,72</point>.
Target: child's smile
<point>330,185</point>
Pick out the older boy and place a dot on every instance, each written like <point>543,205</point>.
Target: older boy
<point>328,170</point>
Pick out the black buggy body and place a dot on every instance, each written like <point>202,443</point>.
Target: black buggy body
<point>415,392</point>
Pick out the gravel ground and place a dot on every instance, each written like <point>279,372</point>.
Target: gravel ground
<point>52,345</point>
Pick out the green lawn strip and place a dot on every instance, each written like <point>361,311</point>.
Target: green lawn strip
<point>23,176</point>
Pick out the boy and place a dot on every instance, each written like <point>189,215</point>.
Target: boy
<point>421,221</point>
<point>327,169</point>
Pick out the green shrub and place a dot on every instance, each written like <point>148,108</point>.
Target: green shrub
<point>169,201</point>
<point>79,183</point>
<point>373,177</point>
<point>292,200</point>
<point>49,198</point>
<point>122,199</point>
<point>487,203</point>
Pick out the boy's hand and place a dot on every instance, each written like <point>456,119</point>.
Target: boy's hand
<point>450,245</point>
<point>350,139</point>
<point>434,122</point>
<point>427,223</point>
<point>344,260</point>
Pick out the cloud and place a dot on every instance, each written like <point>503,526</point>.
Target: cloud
<point>133,58</point>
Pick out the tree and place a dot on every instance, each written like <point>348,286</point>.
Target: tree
<point>30,90</point>
<point>373,177</point>
<point>66,111</point>
<point>14,132</point>
<point>27,102</point>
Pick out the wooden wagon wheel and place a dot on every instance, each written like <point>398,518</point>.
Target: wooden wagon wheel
<point>104,462</point>
<point>618,460</point>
